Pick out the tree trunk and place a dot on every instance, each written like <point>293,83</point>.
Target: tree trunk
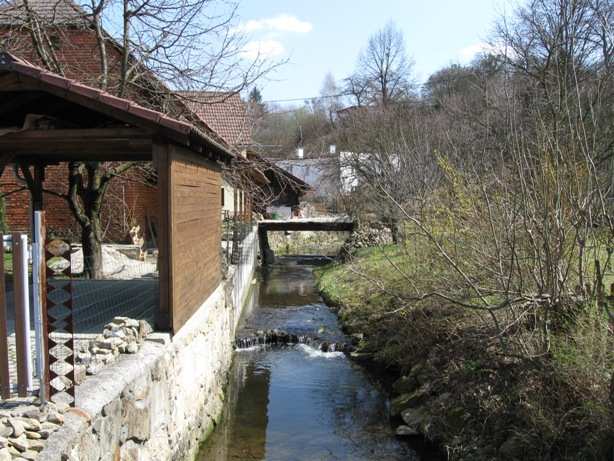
<point>394,225</point>
<point>396,235</point>
<point>88,184</point>
<point>85,201</point>
<point>92,250</point>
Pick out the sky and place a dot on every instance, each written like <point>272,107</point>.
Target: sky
<point>320,36</point>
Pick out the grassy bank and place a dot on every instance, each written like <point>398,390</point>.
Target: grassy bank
<point>461,384</point>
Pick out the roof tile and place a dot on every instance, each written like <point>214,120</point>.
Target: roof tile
<point>226,113</point>
<point>57,12</point>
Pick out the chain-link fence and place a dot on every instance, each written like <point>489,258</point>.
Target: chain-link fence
<point>80,314</point>
<point>235,228</point>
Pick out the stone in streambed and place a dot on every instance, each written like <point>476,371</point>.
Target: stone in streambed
<point>417,419</point>
<point>406,431</point>
<point>409,400</point>
<point>405,384</point>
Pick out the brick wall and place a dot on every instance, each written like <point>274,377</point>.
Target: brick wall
<point>130,200</point>
<point>76,49</point>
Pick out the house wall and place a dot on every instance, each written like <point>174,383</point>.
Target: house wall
<point>234,199</point>
<point>229,205</point>
<point>76,50</point>
<point>195,232</point>
<point>131,200</point>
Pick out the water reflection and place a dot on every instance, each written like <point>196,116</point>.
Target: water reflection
<point>296,403</point>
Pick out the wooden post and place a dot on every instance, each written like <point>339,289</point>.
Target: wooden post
<point>22,313</point>
<point>39,283</point>
<point>5,377</point>
<point>164,319</point>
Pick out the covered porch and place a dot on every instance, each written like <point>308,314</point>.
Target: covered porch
<point>46,119</point>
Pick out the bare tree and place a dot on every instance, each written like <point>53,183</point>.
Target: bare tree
<point>513,210</point>
<point>330,97</point>
<point>383,74</point>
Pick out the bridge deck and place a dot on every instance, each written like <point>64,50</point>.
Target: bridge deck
<point>339,224</point>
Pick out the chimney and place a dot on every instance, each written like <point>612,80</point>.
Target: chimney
<point>332,149</point>
<point>300,152</point>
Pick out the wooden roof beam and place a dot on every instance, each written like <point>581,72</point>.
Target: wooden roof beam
<point>101,144</point>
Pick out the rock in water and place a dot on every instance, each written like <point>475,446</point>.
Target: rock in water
<point>406,431</point>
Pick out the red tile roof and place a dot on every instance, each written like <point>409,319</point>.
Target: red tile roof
<point>225,113</point>
<point>57,12</point>
<point>123,109</point>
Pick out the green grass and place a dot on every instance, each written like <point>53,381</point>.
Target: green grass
<point>367,286</point>
<point>8,263</point>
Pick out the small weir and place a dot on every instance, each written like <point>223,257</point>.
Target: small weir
<point>293,393</point>
<point>273,338</point>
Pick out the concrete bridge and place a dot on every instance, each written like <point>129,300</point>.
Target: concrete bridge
<point>327,224</point>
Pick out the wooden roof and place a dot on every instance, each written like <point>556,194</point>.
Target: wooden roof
<point>27,89</point>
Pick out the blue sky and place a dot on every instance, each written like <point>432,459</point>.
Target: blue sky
<point>318,36</point>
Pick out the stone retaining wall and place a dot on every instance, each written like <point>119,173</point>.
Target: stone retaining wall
<point>161,402</point>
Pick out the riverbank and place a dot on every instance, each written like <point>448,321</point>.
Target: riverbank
<point>456,385</point>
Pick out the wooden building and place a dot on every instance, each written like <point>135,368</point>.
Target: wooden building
<point>86,124</point>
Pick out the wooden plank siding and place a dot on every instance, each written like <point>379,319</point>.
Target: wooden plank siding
<point>194,232</point>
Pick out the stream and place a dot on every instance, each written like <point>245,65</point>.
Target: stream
<point>294,402</point>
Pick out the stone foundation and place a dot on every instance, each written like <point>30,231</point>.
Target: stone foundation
<point>161,402</point>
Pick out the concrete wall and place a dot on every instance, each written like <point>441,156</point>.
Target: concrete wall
<point>161,402</point>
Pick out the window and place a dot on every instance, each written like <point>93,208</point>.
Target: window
<point>222,197</point>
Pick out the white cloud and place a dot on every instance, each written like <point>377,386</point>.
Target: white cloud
<point>280,23</point>
<point>471,51</point>
<point>263,49</point>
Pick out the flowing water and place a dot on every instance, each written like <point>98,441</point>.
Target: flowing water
<point>295,402</point>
